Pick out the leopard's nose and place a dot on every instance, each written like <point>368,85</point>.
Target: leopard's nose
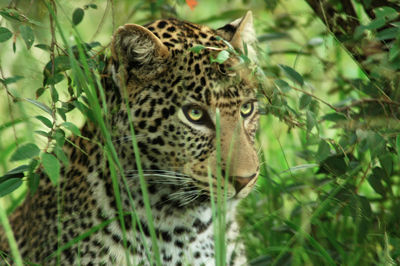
<point>239,182</point>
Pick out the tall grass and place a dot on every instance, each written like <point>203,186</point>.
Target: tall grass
<point>10,236</point>
<point>297,216</point>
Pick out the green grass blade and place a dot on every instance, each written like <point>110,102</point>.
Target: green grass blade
<point>143,185</point>
<point>10,236</point>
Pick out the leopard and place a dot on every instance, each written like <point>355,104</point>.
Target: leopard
<point>194,117</point>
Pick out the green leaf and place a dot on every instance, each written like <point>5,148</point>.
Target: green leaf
<point>305,100</point>
<point>365,213</point>
<point>311,121</point>
<point>42,46</point>
<point>61,63</point>
<point>5,34</point>
<point>196,49</point>
<point>71,127</point>
<point>93,45</point>
<point>16,172</point>
<point>334,117</point>
<point>59,135</point>
<point>61,155</point>
<point>11,80</point>
<point>398,146</point>
<point>381,174</point>
<point>13,15</point>
<point>61,112</point>
<point>390,33</point>
<point>45,121</point>
<point>27,35</point>
<point>33,178</point>
<point>221,57</point>
<point>52,80</point>
<point>386,162</point>
<point>40,105</point>
<point>94,6</point>
<point>54,94</point>
<point>282,85</point>
<point>77,16</point>
<point>375,24</point>
<point>386,13</point>
<point>335,165</point>
<point>33,182</point>
<point>394,51</point>
<point>375,182</point>
<point>9,185</point>
<point>42,133</point>
<point>292,74</point>
<point>324,150</point>
<point>25,151</point>
<point>376,144</point>
<point>39,92</point>
<point>51,166</point>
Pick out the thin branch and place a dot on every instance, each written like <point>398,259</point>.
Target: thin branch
<point>9,94</point>
<point>101,21</point>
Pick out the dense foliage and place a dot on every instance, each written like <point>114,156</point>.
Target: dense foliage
<point>329,191</point>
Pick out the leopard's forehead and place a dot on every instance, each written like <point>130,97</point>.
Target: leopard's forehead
<point>203,79</point>
<point>180,35</point>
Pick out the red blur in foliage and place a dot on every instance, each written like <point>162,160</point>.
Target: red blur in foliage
<point>191,3</point>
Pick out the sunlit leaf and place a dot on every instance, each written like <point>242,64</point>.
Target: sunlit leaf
<point>51,166</point>
<point>40,105</point>
<point>45,121</point>
<point>25,151</point>
<point>71,127</point>
<point>61,155</point>
<point>221,57</point>
<point>196,49</point>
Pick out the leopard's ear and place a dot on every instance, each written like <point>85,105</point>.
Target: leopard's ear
<point>240,32</point>
<point>138,50</point>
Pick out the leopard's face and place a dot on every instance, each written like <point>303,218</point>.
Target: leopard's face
<point>177,94</point>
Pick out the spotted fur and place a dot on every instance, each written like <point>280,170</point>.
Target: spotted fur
<point>163,79</point>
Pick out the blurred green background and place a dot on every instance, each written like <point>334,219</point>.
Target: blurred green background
<point>329,137</point>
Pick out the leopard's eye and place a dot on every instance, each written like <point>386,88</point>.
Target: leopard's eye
<point>194,114</point>
<point>246,109</point>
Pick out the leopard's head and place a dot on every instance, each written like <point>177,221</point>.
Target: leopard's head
<point>177,92</point>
